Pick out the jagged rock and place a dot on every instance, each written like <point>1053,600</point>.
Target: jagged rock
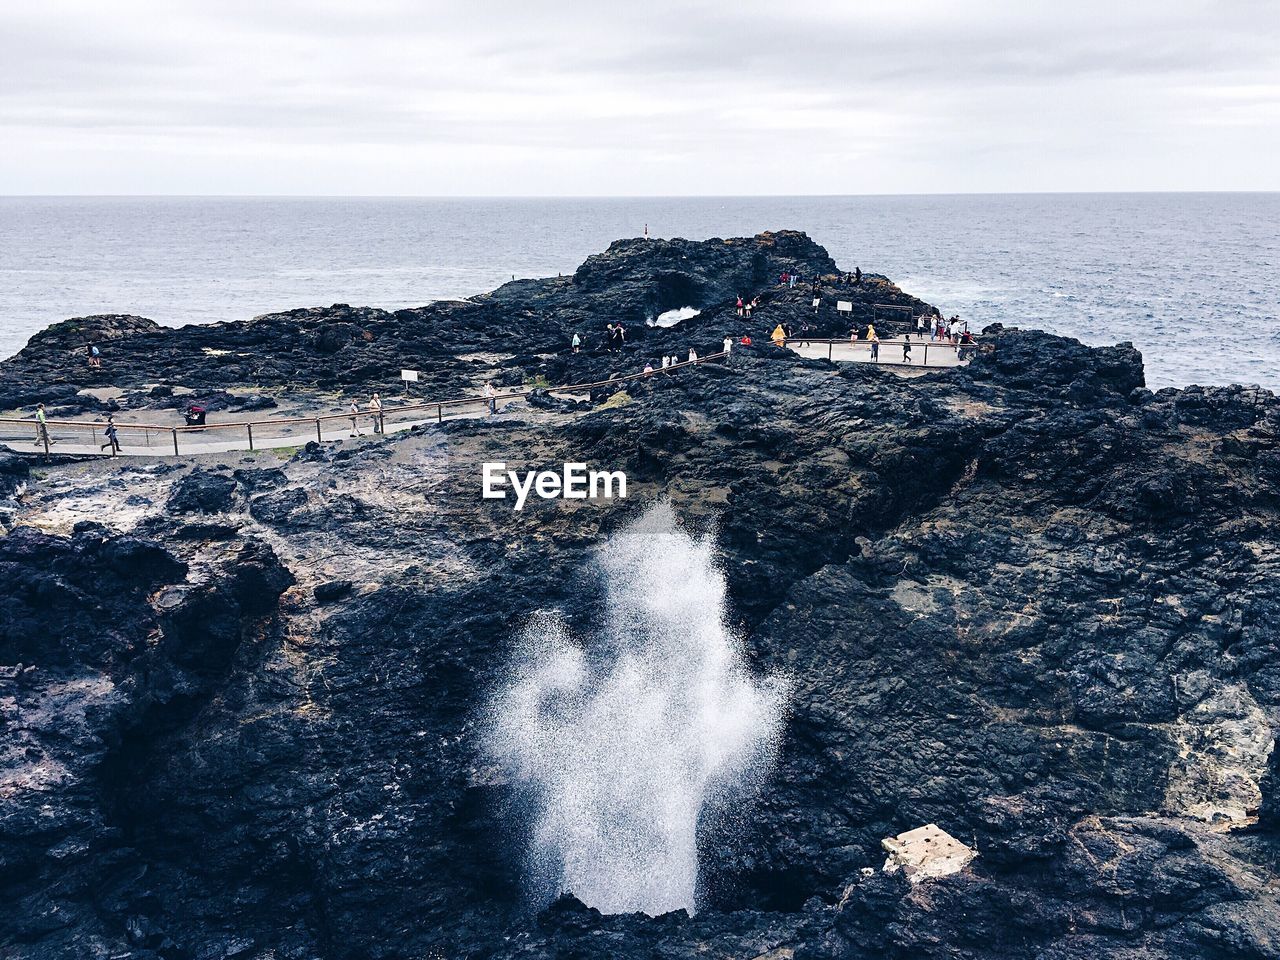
<point>332,590</point>
<point>1028,600</point>
<point>202,491</point>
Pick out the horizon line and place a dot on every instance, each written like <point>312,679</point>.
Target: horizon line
<point>621,196</point>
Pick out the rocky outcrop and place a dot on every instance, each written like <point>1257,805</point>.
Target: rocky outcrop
<point>515,333</point>
<point>1028,601</point>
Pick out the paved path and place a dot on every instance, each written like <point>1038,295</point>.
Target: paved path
<point>82,438</point>
<point>938,354</point>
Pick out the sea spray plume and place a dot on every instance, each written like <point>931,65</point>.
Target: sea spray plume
<point>624,750</point>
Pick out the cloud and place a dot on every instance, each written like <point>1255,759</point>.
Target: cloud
<point>810,97</point>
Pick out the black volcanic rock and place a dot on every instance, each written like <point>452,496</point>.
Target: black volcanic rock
<point>1027,600</point>
<point>202,491</point>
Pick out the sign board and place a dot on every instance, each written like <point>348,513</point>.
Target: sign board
<point>844,306</point>
<point>815,303</point>
<point>409,376</point>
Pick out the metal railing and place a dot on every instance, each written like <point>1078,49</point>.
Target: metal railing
<point>172,440</point>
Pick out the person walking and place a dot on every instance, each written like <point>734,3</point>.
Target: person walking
<point>577,343</point>
<point>875,349</point>
<point>113,439</point>
<point>491,398</point>
<point>375,408</point>
<point>42,427</point>
<point>354,410</point>
<point>906,349</point>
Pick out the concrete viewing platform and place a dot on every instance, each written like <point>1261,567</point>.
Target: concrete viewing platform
<point>924,353</point>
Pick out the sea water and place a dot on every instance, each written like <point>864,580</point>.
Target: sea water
<point>1190,279</point>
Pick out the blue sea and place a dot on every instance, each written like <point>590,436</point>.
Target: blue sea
<point>1190,279</point>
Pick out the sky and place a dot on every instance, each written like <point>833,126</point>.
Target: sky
<point>406,97</point>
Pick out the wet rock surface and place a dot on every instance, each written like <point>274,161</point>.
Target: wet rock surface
<point>1028,601</point>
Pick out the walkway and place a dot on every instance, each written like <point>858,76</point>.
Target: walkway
<point>924,353</point>
<point>84,437</point>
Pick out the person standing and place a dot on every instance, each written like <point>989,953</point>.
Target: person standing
<point>728,345</point>
<point>113,439</point>
<point>857,276</point>
<point>739,305</point>
<point>875,348</point>
<point>779,336</point>
<point>609,337</point>
<point>920,327</point>
<point>354,410</point>
<point>42,427</point>
<point>491,398</point>
<point>576,343</point>
<point>375,408</point>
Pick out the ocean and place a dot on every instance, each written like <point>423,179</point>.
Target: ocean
<point>1190,279</point>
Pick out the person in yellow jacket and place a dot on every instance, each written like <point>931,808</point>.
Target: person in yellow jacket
<point>779,336</point>
<point>871,331</point>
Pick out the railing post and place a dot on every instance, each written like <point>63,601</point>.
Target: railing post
<point>830,345</point>
<point>439,413</point>
<point>175,441</point>
<point>249,427</point>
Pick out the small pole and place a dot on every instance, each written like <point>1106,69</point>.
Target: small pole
<point>249,427</point>
<point>175,441</point>
<point>319,438</point>
<point>45,436</point>
<point>439,413</point>
<point>926,356</point>
<point>829,347</point>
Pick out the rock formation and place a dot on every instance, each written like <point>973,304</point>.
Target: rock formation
<point>1027,601</point>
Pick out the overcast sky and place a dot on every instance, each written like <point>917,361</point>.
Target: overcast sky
<point>603,97</point>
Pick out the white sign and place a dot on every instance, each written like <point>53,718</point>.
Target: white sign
<point>844,306</point>
<point>409,376</point>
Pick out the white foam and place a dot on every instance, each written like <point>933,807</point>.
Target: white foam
<point>626,745</point>
<point>671,317</point>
